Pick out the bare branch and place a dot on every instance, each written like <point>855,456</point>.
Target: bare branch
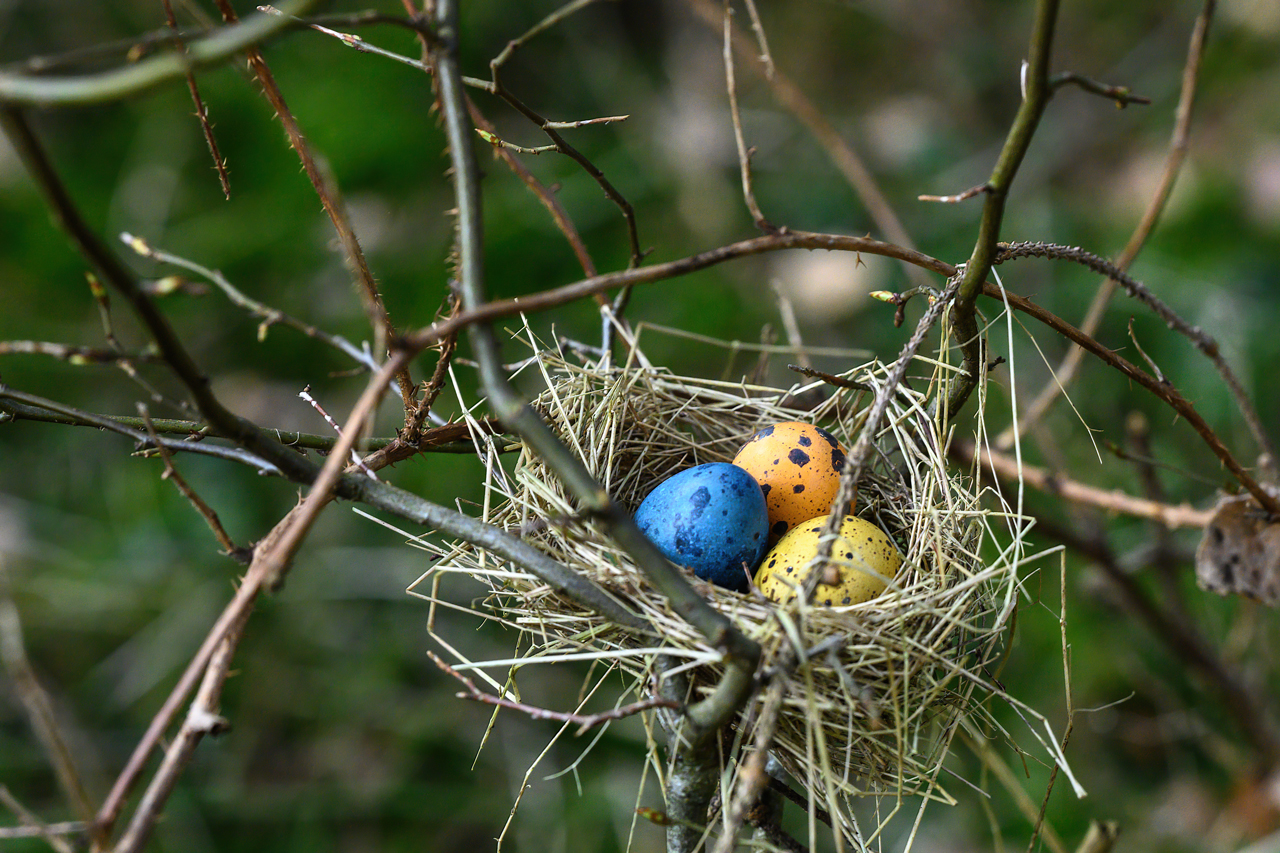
<point>1006,468</point>
<point>22,404</point>
<point>73,353</point>
<point>1178,146</point>
<point>1035,96</point>
<point>202,719</point>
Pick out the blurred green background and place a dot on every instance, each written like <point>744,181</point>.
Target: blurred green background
<point>345,736</point>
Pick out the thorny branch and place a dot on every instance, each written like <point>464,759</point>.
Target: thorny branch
<point>202,112</point>
<point>326,191</point>
<point>1202,340</point>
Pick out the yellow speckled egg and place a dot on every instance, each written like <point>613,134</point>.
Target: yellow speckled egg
<point>865,558</point>
<point>798,467</point>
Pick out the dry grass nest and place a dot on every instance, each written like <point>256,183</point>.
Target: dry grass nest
<point>883,686</point>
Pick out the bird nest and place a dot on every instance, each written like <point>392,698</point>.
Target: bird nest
<point>876,691</point>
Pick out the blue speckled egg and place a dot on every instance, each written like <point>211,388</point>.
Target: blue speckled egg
<point>711,518</point>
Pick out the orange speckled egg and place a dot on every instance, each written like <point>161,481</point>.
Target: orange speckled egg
<point>798,467</point>
<point>864,556</point>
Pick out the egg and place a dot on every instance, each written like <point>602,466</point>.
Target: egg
<point>711,518</point>
<point>864,556</point>
<point>798,467</point>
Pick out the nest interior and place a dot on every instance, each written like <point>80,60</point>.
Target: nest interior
<point>881,687</point>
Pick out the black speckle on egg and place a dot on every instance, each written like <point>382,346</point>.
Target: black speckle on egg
<point>798,457</point>
<point>805,441</point>
<point>699,500</point>
<point>766,489</point>
<point>798,489</point>
<point>837,460</point>
<point>828,437</point>
<point>764,433</point>
<point>779,528</point>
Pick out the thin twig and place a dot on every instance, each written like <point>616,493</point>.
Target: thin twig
<point>305,394</point>
<point>766,56</point>
<point>36,702</point>
<point>744,154</point>
<point>1155,368</point>
<point>34,827</point>
<point>497,142</point>
<point>1178,145</point>
<point>74,354</point>
<point>793,99</point>
<point>584,722</point>
<point>829,378</point>
<point>101,299</point>
<point>206,512</point>
<point>958,197</point>
<point>1120,94</point>
<point>268,315</point>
